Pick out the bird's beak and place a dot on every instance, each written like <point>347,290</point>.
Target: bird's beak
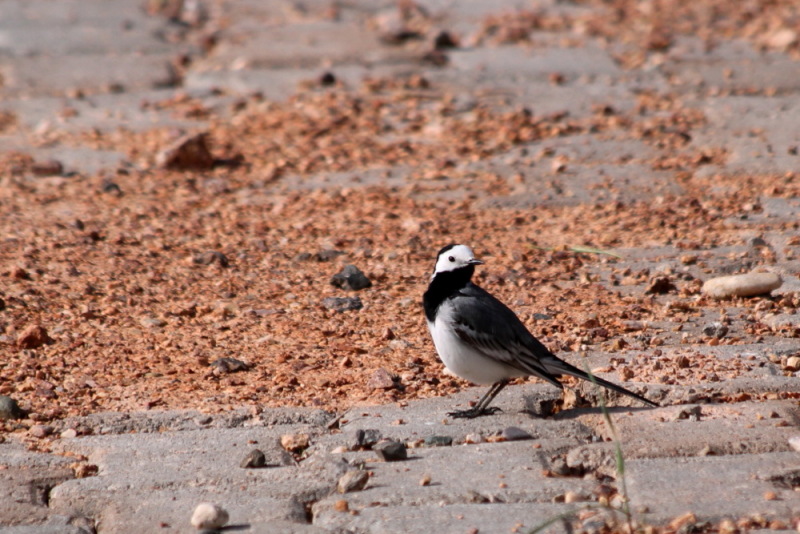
<point>474,261</point>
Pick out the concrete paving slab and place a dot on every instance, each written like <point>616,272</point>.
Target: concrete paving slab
<point>454,519</point>
<point>149,479</point>
<point>160,509</point>
<point>734,66</point>
<point>47,75</point>
<point>686,430</point>
<point>275,84</point>
<point>309,44</point>
<point>760,134</point>
<point>74,159</point>
<point>520,65</point>
<point>28,40</point>
<point>426,418</point>
<point>581,184</point>
<point>55,524</point>
<point>714,487</point>
<point>14,13</point>
<point>26,479</point>
<point>498,472</point>
<point>158,421</point>
<point>104,112</point>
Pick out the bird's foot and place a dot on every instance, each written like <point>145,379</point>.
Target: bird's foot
<point>474,412</point>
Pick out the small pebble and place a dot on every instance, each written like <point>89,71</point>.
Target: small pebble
<point>111,187</point>
<point>692,413</point>
<point>660,285</point>
<point>794,443</point>
<point>326,255</point>
<point>682,521</point>
<point>40,431</point>
<point>770,496</point>
<point>438,441</point>
<point>355,480</point>
<point>341,505</point>
<point>69,433</point>
<point>209,516</point>
<point>84,470</point>
<point>365,438</point>
<point>425,480</point>
<point>793,363</point>
<point>33,337</point>
<point>228,365</point>
<point>474,438</point>
<point>51,167</point>
<point>327,79</point>
<point>295,442</point>
<point>189,152</point>
<point>727,526</point>
<point>9,409</point>
<point>211,257</point>
<point>152,322</point>
<point>514,433</point>
<point>445,40</point>
<point>392,451</point>
<point>254,459</point>
<point>716,330</point>
<point>381,379</point>
<point>342,304</point>
<point>352,278</point>
<point>742,285</point>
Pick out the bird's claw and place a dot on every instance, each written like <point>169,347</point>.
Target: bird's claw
<point>474,412</point>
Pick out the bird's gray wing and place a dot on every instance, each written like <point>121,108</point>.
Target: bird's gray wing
<point>491,328</point>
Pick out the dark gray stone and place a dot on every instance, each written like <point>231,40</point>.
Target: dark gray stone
<point>715,329</point>
<point>342,304</point>
<point>438,441</point>
<point>366,438</point>
<point>210,257</point>
<point>513,433</point>
<point>254,459</point>
<point>9,409</point>
<point>229,365</point>
<point>351,277</point>
<point>392,451</point>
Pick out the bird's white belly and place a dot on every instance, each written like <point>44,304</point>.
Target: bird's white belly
<point>464,361</point>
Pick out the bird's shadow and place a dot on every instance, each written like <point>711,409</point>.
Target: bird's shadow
<point>226,528</point>
<point>572,413</point>
<point>538,408</point>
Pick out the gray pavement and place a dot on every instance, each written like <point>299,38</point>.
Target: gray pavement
<point>104,57</point>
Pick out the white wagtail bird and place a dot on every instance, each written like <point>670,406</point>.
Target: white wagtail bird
<point>481,340</point>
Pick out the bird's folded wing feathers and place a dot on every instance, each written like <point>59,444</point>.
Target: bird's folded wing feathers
<point>491,328</point>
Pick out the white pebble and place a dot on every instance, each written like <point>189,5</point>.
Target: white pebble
<point>742,285</point>
<point>209,516</point>
<point>474,438</point>
<point>794,443</point>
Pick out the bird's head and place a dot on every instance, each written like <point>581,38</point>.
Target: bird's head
<point>454,257</point>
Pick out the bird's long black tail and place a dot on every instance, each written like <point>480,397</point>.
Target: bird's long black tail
<point>559,367</point>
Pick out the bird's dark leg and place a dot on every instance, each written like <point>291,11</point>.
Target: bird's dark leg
<point>482,408</point>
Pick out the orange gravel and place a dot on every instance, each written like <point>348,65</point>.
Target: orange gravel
<point>121,278</point>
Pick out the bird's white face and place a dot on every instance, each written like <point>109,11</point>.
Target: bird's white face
<point>455,257</point>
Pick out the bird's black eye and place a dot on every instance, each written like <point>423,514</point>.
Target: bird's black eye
<point>451,258</point>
